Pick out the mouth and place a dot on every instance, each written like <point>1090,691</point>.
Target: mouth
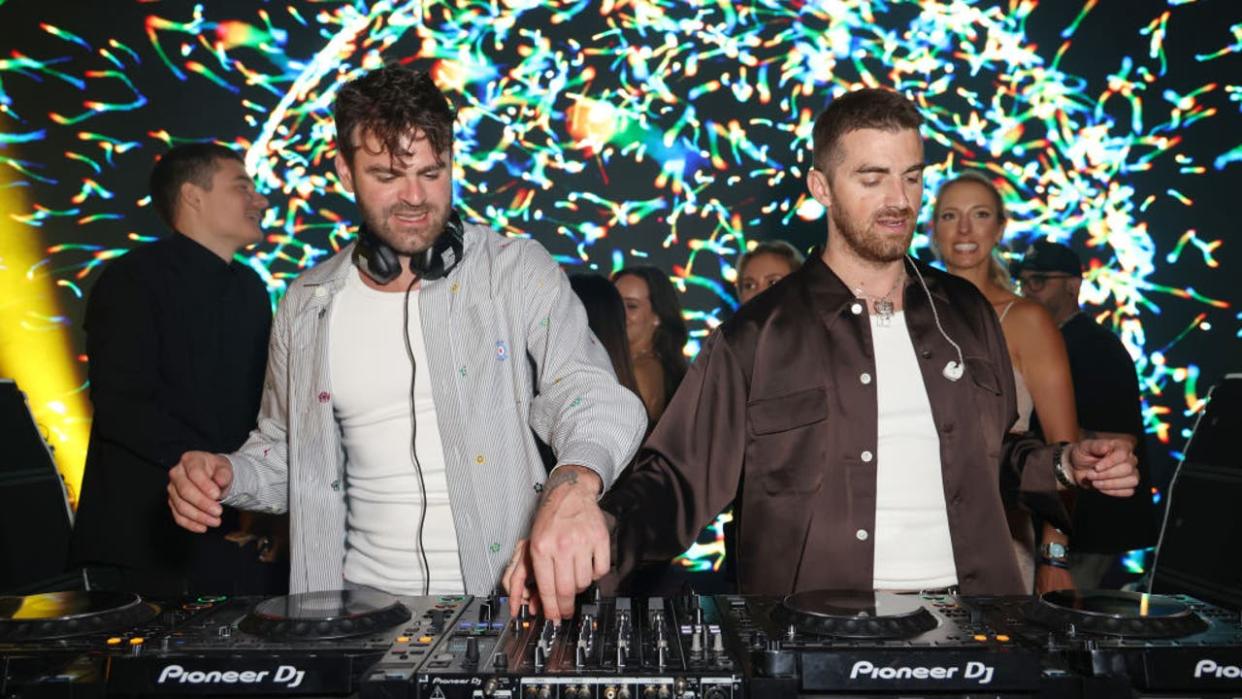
<point>255,217</point>
<point>965,247</point>
<point>896,224</point>
<point>413,218</point>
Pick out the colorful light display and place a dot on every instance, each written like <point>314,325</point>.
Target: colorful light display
<point>674,132</point>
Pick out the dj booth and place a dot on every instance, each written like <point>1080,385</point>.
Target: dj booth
<point>368,644</point>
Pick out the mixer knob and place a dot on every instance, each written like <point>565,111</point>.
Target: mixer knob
<point>696,643</point>
<point>485,613</point>
<point>620,657</point>
<point>500,662</point>
<point>717,642</point>
<point>698,615</point>
<point>662,656</point>
<point>524,612</point>
<point>792,632</point>
<point>472,650</point>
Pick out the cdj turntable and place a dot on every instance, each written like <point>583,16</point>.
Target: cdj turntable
<point>46,640</point>
<point>89,644</point>
<point>1153,643</point>
<point>876,643</point>
<point>612,649</point>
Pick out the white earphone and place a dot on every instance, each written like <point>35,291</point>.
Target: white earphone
<point>952,371</point>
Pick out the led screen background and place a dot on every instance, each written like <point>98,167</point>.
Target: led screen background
<point>638,131</point>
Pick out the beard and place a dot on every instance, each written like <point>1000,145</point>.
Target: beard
<point>869,244</point>
<point>407,240</point>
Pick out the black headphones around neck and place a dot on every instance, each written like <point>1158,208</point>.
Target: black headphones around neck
<point>381,264</point>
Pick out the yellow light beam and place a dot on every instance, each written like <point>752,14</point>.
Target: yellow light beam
<point>37,353</point>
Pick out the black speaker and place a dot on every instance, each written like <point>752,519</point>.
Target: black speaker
<point>35,518</point>
<point>1200,548</point>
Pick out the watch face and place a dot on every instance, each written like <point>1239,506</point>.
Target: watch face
<point>1055,550</point>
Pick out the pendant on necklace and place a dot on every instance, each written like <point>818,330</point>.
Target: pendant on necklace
<point>884,311</point>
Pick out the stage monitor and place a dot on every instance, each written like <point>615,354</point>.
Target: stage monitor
<point>35,518</point>
<point>1200,547</point>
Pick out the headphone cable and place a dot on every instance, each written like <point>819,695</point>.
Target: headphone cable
<point>424,566</point>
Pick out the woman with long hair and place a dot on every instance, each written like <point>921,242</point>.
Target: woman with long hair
<point>968,223</point>
<point>606,315</point>
<point>656,334</point>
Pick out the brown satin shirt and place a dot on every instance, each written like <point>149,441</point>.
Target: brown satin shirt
<point>776,412</point>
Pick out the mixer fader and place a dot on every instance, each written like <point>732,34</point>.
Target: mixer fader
<point>612,649</point>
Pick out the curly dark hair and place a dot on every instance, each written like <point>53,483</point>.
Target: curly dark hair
<point>671,335</point>
<point>868,108</point>
<point>389,102</point>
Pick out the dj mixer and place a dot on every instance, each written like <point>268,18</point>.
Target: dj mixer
<point>818,643</point>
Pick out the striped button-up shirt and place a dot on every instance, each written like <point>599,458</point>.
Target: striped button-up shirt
<point>509,353</point>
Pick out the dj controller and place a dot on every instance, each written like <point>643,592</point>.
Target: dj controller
<point>368,644</point>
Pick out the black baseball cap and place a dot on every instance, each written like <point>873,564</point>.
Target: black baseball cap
<point>1047,256</point>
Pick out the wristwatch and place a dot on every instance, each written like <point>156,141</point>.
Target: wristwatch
<point>1054,554</point>
<point>1058,465</point>
<point>1054,550</point>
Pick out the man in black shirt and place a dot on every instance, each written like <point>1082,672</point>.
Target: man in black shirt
<point>177,336</point>
<point>1106,395</point>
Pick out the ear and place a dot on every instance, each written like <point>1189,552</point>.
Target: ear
<point>817,184</point>
<point>343,173</point>
<point>190,198</point>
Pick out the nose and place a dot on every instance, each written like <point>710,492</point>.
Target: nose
<point>260,201</point>
<point>413,192</point>
<point>898,196</point>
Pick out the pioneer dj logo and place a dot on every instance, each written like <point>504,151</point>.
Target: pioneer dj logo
<point>286,675</point>
<point>974,670</point>
<point>1210,668</point>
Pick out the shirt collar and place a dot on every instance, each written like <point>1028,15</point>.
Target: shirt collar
<point>831,295</point>
<point>195,255</point>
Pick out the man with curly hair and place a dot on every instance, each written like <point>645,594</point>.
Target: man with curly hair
<point>408,375</point>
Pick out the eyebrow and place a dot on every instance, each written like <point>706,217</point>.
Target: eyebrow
<point>881,170</point>
<point>382,169</point>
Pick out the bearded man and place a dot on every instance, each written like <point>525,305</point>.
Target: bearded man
<point>407,377</point>
<point>859,409</point>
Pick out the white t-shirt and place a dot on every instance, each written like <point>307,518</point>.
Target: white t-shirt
<point>370,373</point>
<point>913,550</point>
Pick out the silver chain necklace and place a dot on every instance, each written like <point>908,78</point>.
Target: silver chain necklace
<point>883,305</point>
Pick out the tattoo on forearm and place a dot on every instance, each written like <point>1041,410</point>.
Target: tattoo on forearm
<point>562,476</point>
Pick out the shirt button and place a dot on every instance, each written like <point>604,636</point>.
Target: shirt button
<point>865,378</point>
<point>946,427</point>
<point>480,460</point>
<point>856,309</point>
<point>867,457</point>
<point>321,291</point>
<point>336,485</point>
<point>324,396</point>
<point>861,534</point>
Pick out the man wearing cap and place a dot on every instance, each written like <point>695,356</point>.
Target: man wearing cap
<point>1106,395</point>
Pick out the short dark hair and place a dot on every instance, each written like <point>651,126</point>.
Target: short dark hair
<point>389,102</point>
<point>868,108</point>
<point>194,162</point>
